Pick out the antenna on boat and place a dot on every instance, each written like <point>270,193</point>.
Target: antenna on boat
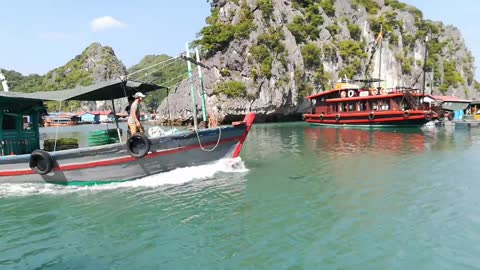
<point>4,82</point>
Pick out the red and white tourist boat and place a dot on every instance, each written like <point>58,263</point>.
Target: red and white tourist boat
<point>351,105</point>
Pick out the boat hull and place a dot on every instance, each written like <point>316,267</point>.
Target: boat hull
<point>375,119</point>
<point>112,163</point>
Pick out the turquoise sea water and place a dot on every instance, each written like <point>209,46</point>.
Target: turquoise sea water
<point>300,197</point>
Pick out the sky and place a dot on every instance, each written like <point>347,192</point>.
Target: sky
<point>39,35</point>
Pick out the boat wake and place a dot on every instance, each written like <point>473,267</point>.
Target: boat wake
<point>175,177</point>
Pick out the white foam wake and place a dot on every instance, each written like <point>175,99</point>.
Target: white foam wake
<point>174,177</point>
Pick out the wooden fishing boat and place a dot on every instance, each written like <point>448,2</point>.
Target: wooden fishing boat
<point>351,105</point>
<point>22,159</point>
<point>60,121</point>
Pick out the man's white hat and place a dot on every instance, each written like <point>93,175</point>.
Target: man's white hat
<point>139,94</point>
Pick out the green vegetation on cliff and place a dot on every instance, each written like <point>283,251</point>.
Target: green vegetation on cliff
<point>217,35</point>
<point>231,89</point>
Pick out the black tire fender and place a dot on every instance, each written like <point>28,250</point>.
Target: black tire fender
<point>406,114</point>
<point>371,116</point>
<point>41,162</point>
<point>322,116</point>
<point>337,117</point>
<point>138,145</point>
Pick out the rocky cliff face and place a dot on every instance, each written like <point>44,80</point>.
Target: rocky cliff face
<point>267,55</point>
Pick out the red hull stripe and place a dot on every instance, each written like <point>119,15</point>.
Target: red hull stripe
<point>117,160</point>
<point>366,114</point>
<point>362,121</point>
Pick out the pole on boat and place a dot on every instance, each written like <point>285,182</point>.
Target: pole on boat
<point>202,90</point>
<point>425,65</point>
<point>192,89</point>
<point>380,37</point>
<point>116,121</point>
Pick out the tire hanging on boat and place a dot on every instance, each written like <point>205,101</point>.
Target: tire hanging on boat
<point>406,114</point>
<point>138,145</point>
<point>337,117</point>
<point>41,162</point>
<point>371,116</point>
<point>322,116</point>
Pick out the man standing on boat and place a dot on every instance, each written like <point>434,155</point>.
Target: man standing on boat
<point>134,117</point>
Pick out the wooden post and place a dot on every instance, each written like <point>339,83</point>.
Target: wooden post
<point>116,121</point>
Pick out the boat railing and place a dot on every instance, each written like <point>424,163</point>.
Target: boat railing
<point>395,90</point>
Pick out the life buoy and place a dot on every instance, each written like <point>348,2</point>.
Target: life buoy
<point>337,117</point>
<point>343,94</point>
<point>371,116</point>
<point>351,93</point>
<point>138,145</point>
<point>374,91</point>
<point>428,116</point>
<point>41,162</point>
<point>450,116</point>
<point>383,91</point>
<point>322,116</point>
<point>406,114</point>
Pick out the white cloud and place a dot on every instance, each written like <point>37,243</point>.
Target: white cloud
<point>53,36</point>
<point>106,22</point>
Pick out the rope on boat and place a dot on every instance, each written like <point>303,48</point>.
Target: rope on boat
<point>154,65</point>
<point>171,65</point>
<point>216,145</point>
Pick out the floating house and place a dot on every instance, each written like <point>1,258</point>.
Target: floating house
<point>89,118</point>
<point>104,116</point>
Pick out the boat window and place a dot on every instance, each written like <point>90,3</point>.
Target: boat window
<point>27,123</point>
<point>385,105</point>
<point>8,122</point>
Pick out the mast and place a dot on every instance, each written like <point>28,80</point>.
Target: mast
<point>425,65</point>
<point>202,91</point>
<point>192,89</point>
<point>380,36</point>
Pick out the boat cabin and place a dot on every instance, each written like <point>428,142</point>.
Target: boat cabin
<point>19,119</point>
<point>20,113</point>
<point>350,98</point>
